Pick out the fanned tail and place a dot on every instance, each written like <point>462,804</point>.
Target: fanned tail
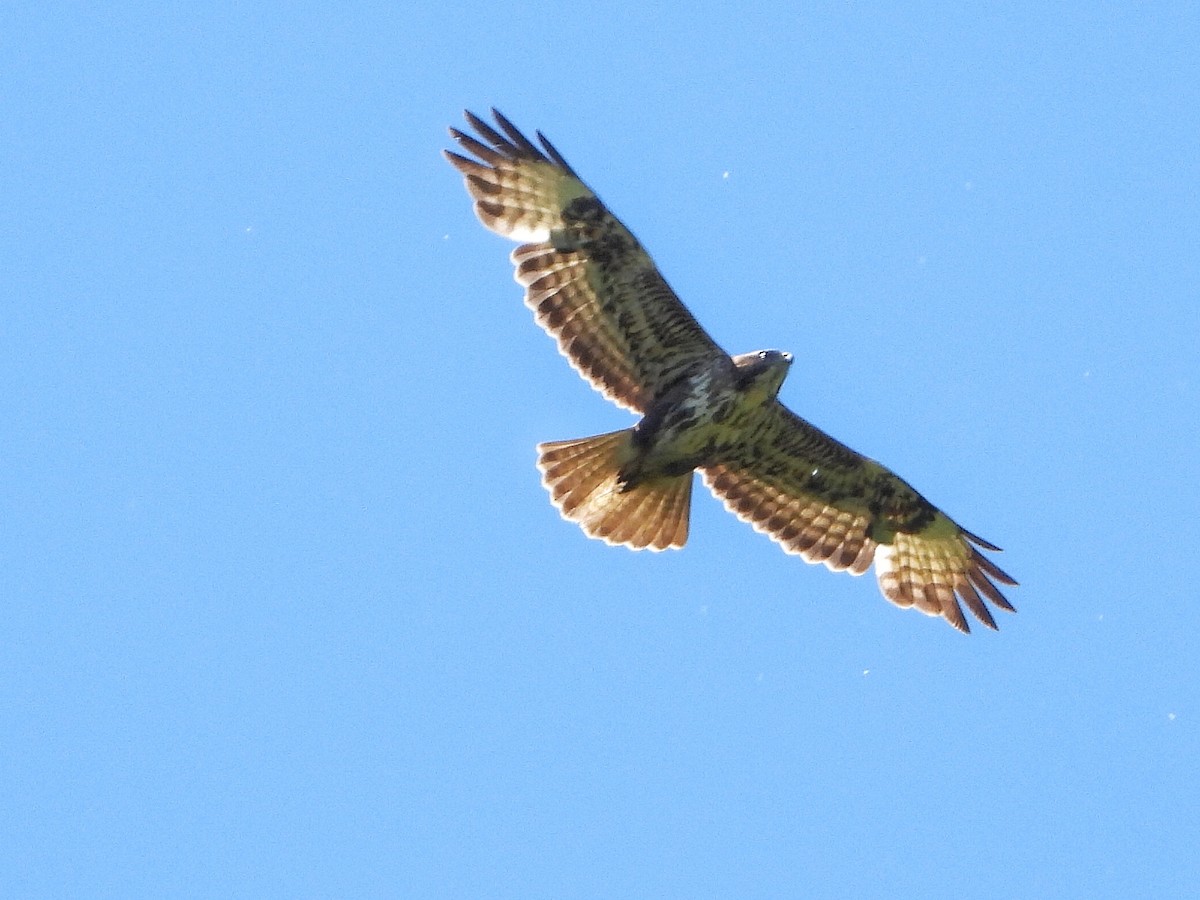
<point>583,478</point>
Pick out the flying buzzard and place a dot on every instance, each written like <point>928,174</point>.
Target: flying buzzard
<point>594,288</point>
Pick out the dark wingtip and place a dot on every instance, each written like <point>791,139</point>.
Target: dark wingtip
<point>553,153</point>
<point>515,136</point>
<point>960,623</point>
<point>975,603</point>
<point>485,130</point>
<point>978,541</point>
<point>511,144</point>
<point>989,590</point>
<point>992,569</point>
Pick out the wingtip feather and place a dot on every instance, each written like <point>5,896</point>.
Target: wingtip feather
<point>558,159</point>
<point>483,128</point>
<point>515,136</point>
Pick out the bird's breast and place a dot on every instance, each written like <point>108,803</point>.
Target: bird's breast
<point>702,416</point>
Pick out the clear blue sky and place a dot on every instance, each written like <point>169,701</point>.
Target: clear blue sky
<point>286,611</point>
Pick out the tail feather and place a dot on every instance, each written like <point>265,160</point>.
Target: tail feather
<point>572,474</point>
<point>582,478</point>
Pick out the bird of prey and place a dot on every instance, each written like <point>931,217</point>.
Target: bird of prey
<point>598,293</point>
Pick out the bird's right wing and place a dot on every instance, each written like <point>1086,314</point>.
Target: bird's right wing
<point>590,283</point>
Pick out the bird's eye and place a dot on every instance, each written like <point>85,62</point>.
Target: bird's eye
<point>762,354</point>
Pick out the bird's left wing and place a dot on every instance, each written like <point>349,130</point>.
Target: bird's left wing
<point>820,499</point>
<point>590,283</point>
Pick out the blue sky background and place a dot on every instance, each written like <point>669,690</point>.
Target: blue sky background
<point>286,610</point>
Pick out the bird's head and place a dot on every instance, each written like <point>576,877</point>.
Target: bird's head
<point>762,372</point>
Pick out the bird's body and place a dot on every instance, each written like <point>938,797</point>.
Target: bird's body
<point>597,292</point>
<point>707,415</point>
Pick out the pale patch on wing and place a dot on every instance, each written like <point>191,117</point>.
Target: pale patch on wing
<point>935,568</point>
<point>519,191</point>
